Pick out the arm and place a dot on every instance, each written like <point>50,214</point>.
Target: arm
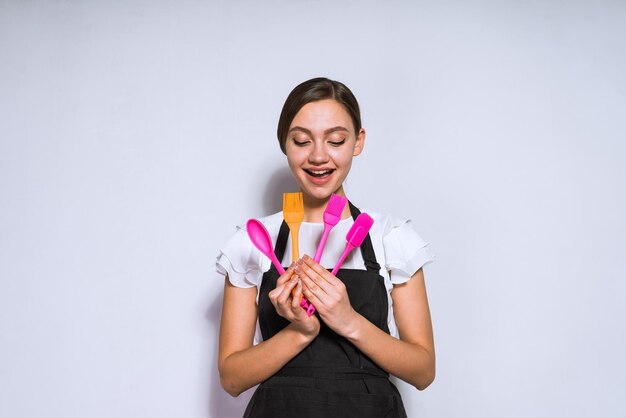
<point>242,365</point>
<point>412,357</point>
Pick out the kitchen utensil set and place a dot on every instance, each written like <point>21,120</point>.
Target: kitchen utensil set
<point>293,213</point>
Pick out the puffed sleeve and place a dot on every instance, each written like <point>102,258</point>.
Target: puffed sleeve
<point>405,251</point>
<point>240,260</point>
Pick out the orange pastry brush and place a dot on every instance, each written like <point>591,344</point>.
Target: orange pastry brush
<point>293,213</point>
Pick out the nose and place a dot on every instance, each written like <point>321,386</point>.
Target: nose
<point>319,154</point>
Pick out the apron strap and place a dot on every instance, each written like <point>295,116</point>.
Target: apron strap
<point>367,249</point>
<point>281,242</point>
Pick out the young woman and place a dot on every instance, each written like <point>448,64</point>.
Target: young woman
<point>372,318</point>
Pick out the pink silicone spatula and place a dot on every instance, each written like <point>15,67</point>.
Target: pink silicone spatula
<point>262,240</point>
<point>332,215</point>
<point>355,237</point>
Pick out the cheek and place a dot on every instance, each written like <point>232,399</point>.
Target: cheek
<point>342,157</point>
<point>294,160</point>
<point>293,167</point>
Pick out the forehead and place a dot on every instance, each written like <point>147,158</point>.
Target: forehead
<point>322,113</point>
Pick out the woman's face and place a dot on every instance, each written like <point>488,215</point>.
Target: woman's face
<point>320,145</point>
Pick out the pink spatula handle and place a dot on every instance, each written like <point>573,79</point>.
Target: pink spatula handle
<point>279,268</point>
<point>346,251</point>
<point>357,233</point>
<point>308,306</point>
<point>322,244</point>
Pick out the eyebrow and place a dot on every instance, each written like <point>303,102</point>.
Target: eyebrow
<point>326,132</point>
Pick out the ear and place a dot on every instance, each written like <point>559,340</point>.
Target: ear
<point>360,143</point>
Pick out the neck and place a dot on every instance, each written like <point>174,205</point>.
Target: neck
<point>314,208</point>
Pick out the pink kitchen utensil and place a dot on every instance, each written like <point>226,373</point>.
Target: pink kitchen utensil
<point>332,215</point>
<point>262,240</point>
<point>355,237</point>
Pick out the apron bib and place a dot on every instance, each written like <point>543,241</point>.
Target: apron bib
<point>330,377</point>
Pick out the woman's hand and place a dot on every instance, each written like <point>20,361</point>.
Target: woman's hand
<point>328,294</point>
<point>286,300</point>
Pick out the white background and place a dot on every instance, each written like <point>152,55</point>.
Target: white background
<point>135,135</point>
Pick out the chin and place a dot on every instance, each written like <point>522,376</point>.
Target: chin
<point>317,193</point>
<point>323,194</point>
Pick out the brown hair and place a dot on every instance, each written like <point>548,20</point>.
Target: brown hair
<point>311,91</point>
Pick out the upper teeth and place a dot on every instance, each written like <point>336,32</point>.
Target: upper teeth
<point>320,172</point>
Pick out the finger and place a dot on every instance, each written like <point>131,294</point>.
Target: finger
<point>275,292</point>
<point>321,271</point>
<point>309,285</point>
<point>286,276</point>
<point>297,297</point>
<point>314,281</point>
<point>280,284</point>
<point>285,293</point>
<point>311,297</point>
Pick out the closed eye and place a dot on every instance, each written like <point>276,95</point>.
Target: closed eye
<point>337,143</point>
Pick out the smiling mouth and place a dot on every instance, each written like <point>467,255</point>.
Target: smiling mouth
<point>319,173</point>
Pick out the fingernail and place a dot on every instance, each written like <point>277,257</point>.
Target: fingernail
<point>298,269</point>
<point>299,261</point>
<point>306,257</point>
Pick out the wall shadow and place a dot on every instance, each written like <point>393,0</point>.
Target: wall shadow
<point>279,182</point>
<point>221,404</point>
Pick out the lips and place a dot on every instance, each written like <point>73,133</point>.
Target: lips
<point>319,173</point>
<point>319,177</point>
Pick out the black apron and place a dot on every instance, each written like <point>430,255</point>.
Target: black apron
<point>330,377</point>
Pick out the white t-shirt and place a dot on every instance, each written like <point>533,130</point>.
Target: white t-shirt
<point>399,250</point>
